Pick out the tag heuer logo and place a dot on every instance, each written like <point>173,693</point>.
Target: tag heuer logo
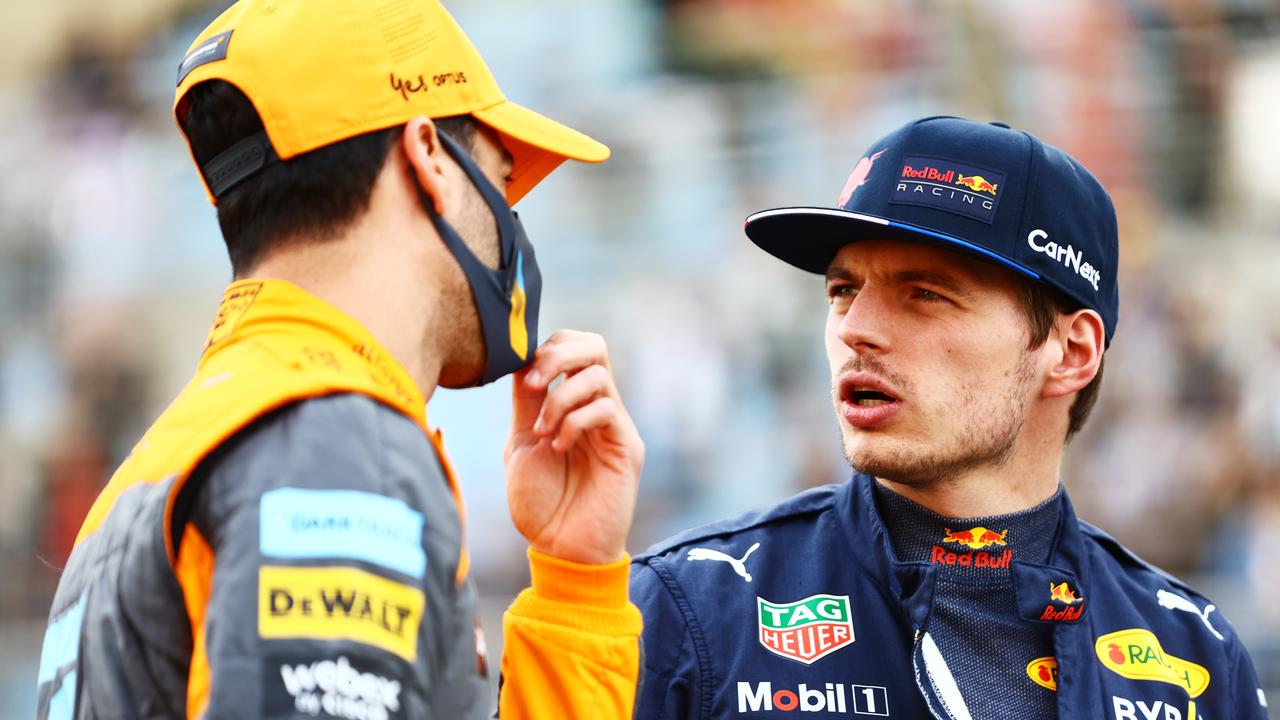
<point>807,629</point>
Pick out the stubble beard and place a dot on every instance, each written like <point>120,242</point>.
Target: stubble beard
<point>987,437</point>
<point>460,325</point>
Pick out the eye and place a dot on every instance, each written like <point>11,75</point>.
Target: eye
<point>840,296</point>
<point>841,290</point>
<point>927,295</point>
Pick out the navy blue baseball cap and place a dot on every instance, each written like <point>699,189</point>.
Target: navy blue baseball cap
<point>995,193</point>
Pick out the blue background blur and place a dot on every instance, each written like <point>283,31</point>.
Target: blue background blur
<point>111,263</point>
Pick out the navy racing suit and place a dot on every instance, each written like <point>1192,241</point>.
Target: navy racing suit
<point>805,608</point>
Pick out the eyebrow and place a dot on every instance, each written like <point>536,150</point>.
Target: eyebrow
<point>942,280</point>
<point>906,277</point>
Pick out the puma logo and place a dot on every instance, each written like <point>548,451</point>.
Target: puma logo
<point>739,565</point>
<point>1174,601</point>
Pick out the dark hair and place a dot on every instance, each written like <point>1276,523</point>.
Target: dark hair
<point>1042,305</point>
<point>315,194</point>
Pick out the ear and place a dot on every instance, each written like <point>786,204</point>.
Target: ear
<point>426,158</point>
<point>1078,345</point>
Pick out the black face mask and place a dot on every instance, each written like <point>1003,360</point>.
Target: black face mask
<point>506,299</point>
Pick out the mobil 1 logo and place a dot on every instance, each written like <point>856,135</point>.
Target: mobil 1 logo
<point>832,697</point>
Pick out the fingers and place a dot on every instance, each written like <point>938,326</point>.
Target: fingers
<point>577,390</point>
<point>565,352</point>
<point>601,413</point>
<point>526,402</point>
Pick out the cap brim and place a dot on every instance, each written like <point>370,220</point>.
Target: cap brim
<point>537,144</point>
<point>810,237</point>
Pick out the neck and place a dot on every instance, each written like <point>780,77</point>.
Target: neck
<point>1024,480</point>
<point>361,275</point>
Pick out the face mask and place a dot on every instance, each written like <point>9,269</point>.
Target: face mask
<point>507,298</point>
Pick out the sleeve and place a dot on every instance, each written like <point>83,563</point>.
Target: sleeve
<point>571,644</point>
<point>672,680</point>
<point>1250,703</point>
<point>334,543</point>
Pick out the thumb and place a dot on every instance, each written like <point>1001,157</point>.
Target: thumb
<point>525,403</point>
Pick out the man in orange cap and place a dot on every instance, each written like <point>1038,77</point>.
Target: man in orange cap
<point>287,538</point>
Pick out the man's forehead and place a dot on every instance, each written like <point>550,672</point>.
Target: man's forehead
<point>907,260</point>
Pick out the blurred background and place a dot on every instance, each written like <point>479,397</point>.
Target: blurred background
<point>111,263</point>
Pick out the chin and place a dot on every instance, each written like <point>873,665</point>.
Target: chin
<point>458,378</point>
<point>888,459</point>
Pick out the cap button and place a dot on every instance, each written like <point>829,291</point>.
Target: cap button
<point>997,123</point>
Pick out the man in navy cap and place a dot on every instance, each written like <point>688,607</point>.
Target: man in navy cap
<point>971,277</point>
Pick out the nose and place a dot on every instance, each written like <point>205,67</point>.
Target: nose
<point>866,323</point>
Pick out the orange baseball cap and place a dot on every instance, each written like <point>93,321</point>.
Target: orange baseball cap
<point>321,71</point>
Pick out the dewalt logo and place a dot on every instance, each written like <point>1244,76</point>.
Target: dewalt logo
<point>339,603</point>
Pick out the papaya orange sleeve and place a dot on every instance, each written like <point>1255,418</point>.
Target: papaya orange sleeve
<point>571,643</point>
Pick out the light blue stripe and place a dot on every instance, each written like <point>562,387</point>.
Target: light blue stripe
<point>61,642</point>
<point>62,706</point>
<point>962,243</point>
<point>302,523</point>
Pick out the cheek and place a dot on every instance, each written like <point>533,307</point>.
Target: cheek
<point>837,351</point>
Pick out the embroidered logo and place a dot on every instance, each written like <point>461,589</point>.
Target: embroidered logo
<point>1173,601</point>
<point>738,564</point>
<point>808,629</point>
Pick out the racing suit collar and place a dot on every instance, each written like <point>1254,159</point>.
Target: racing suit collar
<point>912,583</point>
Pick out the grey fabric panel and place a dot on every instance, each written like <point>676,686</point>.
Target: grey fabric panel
<point>340,442</point>
<point>135,639</point>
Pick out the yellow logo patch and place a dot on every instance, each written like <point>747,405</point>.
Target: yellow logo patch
<point>339,603</point>
<point>516,327</point>
<point>235,301</point>
<point>1044,671</point>
<point>1137,655</point>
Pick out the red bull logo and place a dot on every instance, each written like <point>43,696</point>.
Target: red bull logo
<point>930,173</point>
<point>977,183</point>
<point>1062,594</point>
<point>975,539</point>
<point>858,177</point>
<point>1044,672</point>
<point>949,186</point>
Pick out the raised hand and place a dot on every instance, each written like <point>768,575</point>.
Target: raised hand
<point>573,457</point>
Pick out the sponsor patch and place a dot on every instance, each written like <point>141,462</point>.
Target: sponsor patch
<point>858,177</point>
<point>824,698</point>
<point>1127,709</point>
<point>61,642</point>
<point>1038,240</point>
<point>235,302</point>
<point>739,565</point>
<point>339,603</point>
<point>1174,601</point>
<point>1136,654</point>
<point>806,630</point>
<point>305,523</point>
<point>350,688</point>
<point>957,188</point>
<point>976,538</point>
<point>215,48</point>
<point>1044,672</point>
<point>1065,603</point>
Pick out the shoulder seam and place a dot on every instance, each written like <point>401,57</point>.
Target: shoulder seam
<point>717,529</point>
<point>706,672</point>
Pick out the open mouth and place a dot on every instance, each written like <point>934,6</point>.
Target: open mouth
<point>870,398</point>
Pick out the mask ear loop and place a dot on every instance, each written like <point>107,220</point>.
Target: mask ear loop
<point>494,199</point>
